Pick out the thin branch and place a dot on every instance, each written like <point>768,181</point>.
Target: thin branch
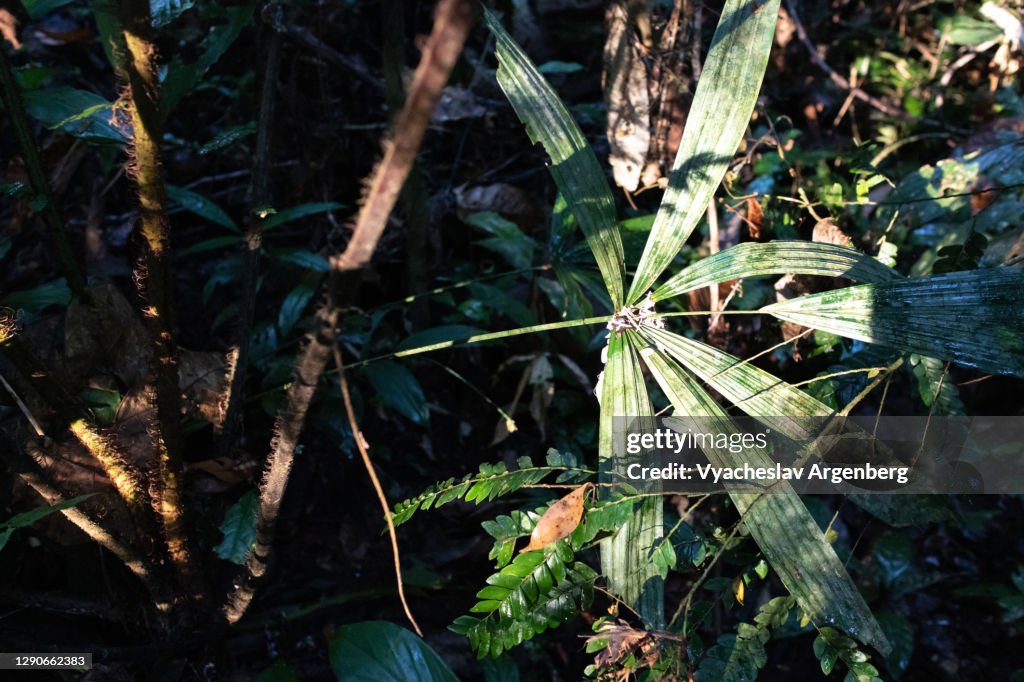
<point>98,534</point>
<point>451,25</point>
<point>362,446</point>
<point>833,75</point>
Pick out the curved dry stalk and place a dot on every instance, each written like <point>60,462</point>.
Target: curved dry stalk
<point>102,537</point>
<point>363,447</point>
<point>451,25</point>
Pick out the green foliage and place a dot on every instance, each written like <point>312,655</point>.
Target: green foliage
<point>399,389</point>
<point>574,166</point>
<point>973,318</point>
<point>537,591</point>
<point>830,647</point>
<point>239,529</point>
<point>507,239</point>
<point>77,112</point>
<point>492,481</point>
<point>379,651</point>
<point>26,519</point>
<point>738,657</point>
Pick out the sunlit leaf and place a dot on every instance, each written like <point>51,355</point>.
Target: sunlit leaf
<point>974,318</point>
<point>718,117</point>
<point>753,259</point>
<point>779,522</point>
<point>574,166</point>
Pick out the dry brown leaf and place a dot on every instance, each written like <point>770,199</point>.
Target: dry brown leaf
<point>559,520</point>
<point>508,200</point>
<point>755,218</point>
<point>622,639</point>
<point>827,232</point>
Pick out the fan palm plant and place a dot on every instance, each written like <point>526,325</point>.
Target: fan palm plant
<point>973,318</point>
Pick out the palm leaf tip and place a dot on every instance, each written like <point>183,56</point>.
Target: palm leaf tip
<point>574,166</point>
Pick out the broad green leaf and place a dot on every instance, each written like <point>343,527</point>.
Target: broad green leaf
<point>508,241</point>
<point>753,390</point>
<point>79,113</point>
<point>399,389</point>
<point>163,12</point>
<point>974,318</point>
<point>296,301</point>
<point>721,109</point>
<point>779,522</point>
<point>301,211</point>
<point>304,258</point>
<point>752,259</point>
<point>40,297</point>
<point>378,651</point>
<point>183,77</point>
<point>201,206</point>
<point>574,167</point>
<point>211,244</point>
<point>625,555</point>
<point>239,529</point>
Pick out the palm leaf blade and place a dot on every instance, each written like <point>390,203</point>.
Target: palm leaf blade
<point>725,98</point>
<point>624,556</point>
<point>974,318</point>
<point>574,166</point>
<point>779,522</point>
<point>753,259</point>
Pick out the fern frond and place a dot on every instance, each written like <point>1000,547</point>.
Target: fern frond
<point>738,657</point>
<point>535,592</point>
<point>492,481</point>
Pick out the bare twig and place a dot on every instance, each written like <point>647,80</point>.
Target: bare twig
<point>304,38</point>
<point>362,446</point>
<point>833,75</point>
<point>451,25</point>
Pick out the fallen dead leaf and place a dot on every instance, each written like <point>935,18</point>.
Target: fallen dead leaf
<point>559,520</point>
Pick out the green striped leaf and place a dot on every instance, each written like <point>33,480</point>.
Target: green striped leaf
<point>574,166</point>
<point>625,555</point>
<point>777,258</point>
<point>779,522</point>
<point>974,318</point>
<point>755,391</point>
<point>721,109</point>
